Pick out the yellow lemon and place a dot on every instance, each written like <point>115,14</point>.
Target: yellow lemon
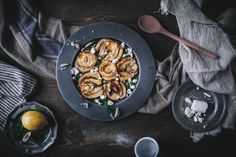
<point>33,120</point>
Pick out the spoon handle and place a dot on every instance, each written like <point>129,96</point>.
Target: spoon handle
<point>190,44</point>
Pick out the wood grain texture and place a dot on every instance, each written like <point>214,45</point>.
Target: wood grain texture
<point>79,136</point>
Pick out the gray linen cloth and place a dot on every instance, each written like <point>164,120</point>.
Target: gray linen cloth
<point>31,38</point>
<point>213,75</point>
<point>168,78</point>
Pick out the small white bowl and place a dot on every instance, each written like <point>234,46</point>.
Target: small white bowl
<point>146,147</point>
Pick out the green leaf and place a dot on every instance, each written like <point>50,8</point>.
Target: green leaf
<point>107,107</point>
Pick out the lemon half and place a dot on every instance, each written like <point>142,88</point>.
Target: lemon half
<point>34,120</point>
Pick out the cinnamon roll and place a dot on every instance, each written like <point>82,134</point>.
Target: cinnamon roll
<point>90,85</point>
<point>109,50</point>
<point>108,70</point>
<point>127,68</point>
<point>115,90</point>
<point>85,61</point>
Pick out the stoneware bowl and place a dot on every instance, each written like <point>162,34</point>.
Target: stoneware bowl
<point>145,60</point>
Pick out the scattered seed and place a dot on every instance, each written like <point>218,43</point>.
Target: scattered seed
<point>63,66</point>
<point>117,112</point>
<point>206,94</point>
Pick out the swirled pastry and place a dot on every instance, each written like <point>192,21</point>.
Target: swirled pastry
<point>91,85</point>
<point>108,70</point>
<point>109,49</point>
<point>85,61</point>
<point>127,68</point>
<point>115,90</point>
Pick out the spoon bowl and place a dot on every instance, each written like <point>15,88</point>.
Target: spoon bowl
<point>149,24</point>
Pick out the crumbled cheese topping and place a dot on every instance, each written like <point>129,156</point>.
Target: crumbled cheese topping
<point>122,45</point>
<point>199,106</point>
<point>109,102</point>
<point>94,70</point>
<point>188,100</point>
<point>96,100</point>
<point>129,91</point>
<point>129,50</point>
<point>93,50</point>
<point>188,112</point>
<point>132,86</point>
<point>74,44</point>
<point>124,55</point>
<point>85,104</point>
<point>74,71</point>
<point>102,97</point>
<point>196,110</point>
<point>129,80</point>
<point>135,80</point>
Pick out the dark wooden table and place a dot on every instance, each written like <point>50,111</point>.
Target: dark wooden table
<point>79,136</point>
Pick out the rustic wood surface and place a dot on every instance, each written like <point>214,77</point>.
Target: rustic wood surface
<point>79,136</point>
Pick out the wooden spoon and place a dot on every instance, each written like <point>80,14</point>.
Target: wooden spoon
<point>150,24</point>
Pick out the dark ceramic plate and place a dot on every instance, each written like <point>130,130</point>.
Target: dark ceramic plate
<point>114,31</point>
<point>39,141</point>
<point>214,114</point>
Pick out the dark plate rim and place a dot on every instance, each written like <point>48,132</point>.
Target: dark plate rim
<point>189,128</point>
<point>148,68</point>
<point>50,139</point>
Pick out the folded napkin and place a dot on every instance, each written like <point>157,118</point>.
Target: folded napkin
<point>15,85</point>
<point>169,76</point>
<point>210,74</point>
<point>31,38</point>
